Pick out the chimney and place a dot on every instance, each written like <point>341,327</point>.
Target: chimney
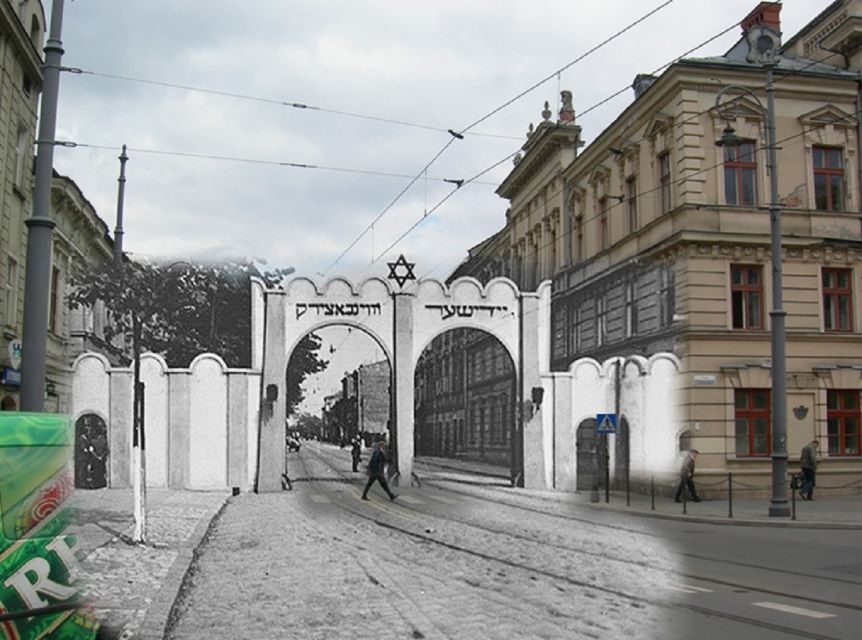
<point>643,81</point>
<point>765,14</point>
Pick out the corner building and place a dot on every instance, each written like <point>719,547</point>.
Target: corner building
<point>657,239</point>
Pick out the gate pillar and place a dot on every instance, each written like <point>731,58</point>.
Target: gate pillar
<point>402,387</point>
<point>270,465</point>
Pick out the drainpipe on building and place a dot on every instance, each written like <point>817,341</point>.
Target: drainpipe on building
<point>859,142</point>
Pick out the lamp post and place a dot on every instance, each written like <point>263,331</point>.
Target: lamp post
<point>40,228</point>
<point>778,506</point>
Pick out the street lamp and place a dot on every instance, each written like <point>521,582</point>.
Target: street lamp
<point>764,52</point>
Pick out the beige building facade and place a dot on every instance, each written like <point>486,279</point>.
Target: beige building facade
<point>657,239</point>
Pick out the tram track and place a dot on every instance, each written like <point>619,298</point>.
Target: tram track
<point>568,579</point>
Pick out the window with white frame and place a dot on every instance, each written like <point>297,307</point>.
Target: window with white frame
<point>21,157</point>
<point>10,308</point>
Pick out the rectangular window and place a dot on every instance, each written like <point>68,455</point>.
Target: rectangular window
<point>667,296</point>
<point>54,300</point>
<point>11,290</point>
<point>746,296</point>
<point>837,300</point>
<point>631,310</point>
<point>579,238</point>
<point>828,178</point>
<point>664,180</point>
<point>740,169</point>
<point>20,157</point>
<point>601,321</point>
<point>842,422</point>
<point>603,223</point>
<point>574,320</point>
<point>753,418</point>
<point>632,200</point>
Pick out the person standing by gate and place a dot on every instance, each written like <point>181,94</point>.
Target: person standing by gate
<point>356,452</point>
<point>377,469</point>
<point>808,464</point>
<point>686,477</point>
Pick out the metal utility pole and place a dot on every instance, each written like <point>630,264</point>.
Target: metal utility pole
<point>121,194</point>
<point>40,228</point>
<point>778,505</point>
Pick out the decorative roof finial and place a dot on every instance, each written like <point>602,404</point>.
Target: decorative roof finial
<point>546,112</point>
<point>530,131</point>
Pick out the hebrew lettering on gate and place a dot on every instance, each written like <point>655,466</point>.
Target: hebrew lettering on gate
<point>338,309</point>
<point>465,310</point>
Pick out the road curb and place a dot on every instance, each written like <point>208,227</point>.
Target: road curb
<point>158,617</point>
<point>793,524</point>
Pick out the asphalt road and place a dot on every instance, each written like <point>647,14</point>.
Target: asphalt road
<point>456,560</point>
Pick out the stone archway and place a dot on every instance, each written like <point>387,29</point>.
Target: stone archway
<point>91,452</point>
<point>403,321</point>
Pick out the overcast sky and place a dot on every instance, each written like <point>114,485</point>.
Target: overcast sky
<point>440,64</point>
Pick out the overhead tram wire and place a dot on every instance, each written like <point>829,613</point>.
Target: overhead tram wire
<point>603,101</point>
<point>281,103</point>
<point>458,135</point>
<point>293,165</point>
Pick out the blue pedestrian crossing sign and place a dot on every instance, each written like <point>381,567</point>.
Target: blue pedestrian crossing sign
<point>606,423</point>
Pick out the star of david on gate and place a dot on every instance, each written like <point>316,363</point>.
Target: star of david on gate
<point>399,277</point>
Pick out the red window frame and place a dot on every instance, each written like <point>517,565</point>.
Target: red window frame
<point>741,291</point>
<point>739,161</point>
<point>842,422</point>
<point>750,407</point>
<point>833,297</point>
<point>828,176</point>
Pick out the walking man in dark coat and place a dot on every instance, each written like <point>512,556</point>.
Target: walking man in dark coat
<point>686,477</point>
<point>377,470</point>
<point>808,463</point>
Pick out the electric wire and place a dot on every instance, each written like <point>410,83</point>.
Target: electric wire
<point>686,120</point>
<point>282,103</point>
<point>294,165</point>
<point>457,135</point>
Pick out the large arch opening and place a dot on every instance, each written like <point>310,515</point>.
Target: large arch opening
<point>91,452</point>
<point>465,400</point>
<point>338,383</point>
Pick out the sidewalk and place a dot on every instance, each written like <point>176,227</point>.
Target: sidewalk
<point>133,587</point>
<point>824,512</point>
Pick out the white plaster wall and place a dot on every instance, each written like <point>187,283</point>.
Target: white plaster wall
<point>253,420</point>
<point>208,418</point>
<point>154,376</point>
<point>257,304</point>
<point>661,411</point>
<point>91,390</point>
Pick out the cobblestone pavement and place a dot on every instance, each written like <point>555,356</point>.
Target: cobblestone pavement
<point>317,562</point>
<point>133,587</point>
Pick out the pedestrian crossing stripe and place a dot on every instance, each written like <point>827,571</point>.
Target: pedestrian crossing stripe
<point>688,588</point>
<point>799,611</point>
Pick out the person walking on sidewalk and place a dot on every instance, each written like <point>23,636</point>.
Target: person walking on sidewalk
<point>808,463</point>
<point>686,477</point>
<point>377,469</point>
<point>356,452</point>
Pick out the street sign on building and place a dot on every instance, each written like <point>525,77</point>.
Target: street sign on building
<point>606,423</point>
<point>15,347</point>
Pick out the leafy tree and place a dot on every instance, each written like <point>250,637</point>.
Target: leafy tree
<point>304,361</point>
<point>180,310</point>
